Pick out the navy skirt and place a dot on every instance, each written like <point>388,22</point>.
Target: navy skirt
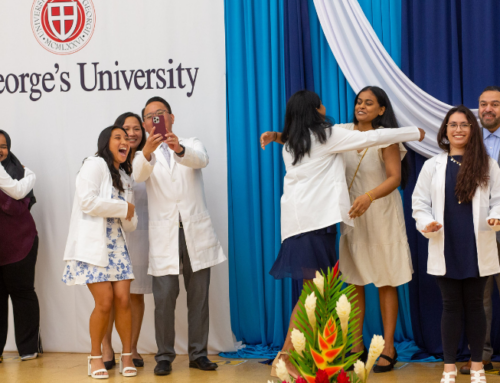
<point>303,254</point>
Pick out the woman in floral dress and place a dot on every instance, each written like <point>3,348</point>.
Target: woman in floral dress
<point>96,252</point>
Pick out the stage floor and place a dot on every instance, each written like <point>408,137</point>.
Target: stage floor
<point>72,368</point>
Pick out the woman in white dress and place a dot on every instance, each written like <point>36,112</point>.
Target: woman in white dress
<point>138,246</point>
<point>376,250</point>
<point>96,252</point>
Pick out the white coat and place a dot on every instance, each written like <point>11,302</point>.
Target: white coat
<point>428,206</point>
<point>91,207</point>
<point>177,191</point>
<point>17,189</point>
<point>315,191</point>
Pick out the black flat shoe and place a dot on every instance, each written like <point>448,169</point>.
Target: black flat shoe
<point>202,363</point>
<point>110,363</point>
<point>138,362</point>
<point>163,367</point>
<point>389,367</point>
<point>363,357</point>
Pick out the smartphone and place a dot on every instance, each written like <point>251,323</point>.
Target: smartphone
<point>160,127</point>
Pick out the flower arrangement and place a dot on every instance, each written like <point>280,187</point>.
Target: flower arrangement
<point>324,335</point>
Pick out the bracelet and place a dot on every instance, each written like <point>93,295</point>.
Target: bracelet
<point>371,199</point>
<point>275,136</point>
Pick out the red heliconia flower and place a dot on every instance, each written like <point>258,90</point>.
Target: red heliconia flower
<point>322,377</point>
<point>301,380</point>
<point>343,378</point>
<point>336,269</point>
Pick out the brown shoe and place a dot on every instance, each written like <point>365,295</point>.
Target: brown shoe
<point>465,369</point>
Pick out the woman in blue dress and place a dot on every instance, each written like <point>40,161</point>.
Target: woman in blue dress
<point>96,252</point>
<point>456,204</point>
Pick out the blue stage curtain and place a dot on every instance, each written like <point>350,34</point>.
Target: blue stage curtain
<point>450,50</point>
<point>260,306</point>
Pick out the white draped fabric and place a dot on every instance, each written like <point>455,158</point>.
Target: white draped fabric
<point>364,61</point>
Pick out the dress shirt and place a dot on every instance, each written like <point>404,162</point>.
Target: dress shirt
<point>492,143</point>
<point>166,152</point>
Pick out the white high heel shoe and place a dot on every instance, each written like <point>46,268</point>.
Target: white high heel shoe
<point>475,376</point>
<point>132,371</point>
<point>93,374</point>
<point>449,377</point>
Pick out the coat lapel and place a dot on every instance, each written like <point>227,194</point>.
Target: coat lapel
<point>440,181</point>
<point>162,160</point>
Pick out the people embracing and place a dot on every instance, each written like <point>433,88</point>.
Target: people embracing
<point>138,248</point>
<point>456,205</point>
<point>315,195</point>
<point>18,253</point>
<point>96,251</point>
<point>181,235</point>
<point>376,250</point>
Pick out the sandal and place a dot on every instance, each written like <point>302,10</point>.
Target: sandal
<point>94,374</point>
<point>127,371</point>
<point>389,367</point>
<point>476,377</point>
<point>449,377</point>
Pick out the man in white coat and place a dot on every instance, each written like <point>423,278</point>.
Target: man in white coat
<point>181,235</point>
<point>489,115</point>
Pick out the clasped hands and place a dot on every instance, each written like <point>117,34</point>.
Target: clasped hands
<point>435,226</point>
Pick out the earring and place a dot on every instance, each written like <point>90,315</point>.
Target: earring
<point>445,141</point>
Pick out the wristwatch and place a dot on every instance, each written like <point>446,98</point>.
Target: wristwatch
<point>182,152</point>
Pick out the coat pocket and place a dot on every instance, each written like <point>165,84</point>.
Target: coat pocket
<point>159,237</point>
<point>91,242</point>
<point>202,232</point>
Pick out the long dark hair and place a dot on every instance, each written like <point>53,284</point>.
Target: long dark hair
<point>386,120</point>
<point>301,119</point>
<point>120,121</point>
<point>104,152</point>
<point>475,168</point>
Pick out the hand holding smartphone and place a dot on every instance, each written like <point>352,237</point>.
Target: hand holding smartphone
<point>160,126</point>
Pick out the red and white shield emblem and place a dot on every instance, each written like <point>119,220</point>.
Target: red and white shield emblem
<point>63,19</point>
<point>63,26</point>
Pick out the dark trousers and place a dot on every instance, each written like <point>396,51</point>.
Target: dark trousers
<point>165,293</point>
<point>462,297</point>
<point>18,280</point>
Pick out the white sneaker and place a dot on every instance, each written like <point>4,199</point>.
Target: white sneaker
<point>29,356</point>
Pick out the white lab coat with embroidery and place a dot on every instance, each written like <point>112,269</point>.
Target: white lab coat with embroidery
<point>91,207</point>
<point>428,206</point>
<point>173,191</point>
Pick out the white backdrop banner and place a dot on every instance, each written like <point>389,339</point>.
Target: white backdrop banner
<point>68,68</point>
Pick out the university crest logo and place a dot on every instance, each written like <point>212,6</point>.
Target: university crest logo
<point>63,27</point>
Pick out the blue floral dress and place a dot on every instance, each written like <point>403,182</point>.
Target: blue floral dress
<point>119,266</point>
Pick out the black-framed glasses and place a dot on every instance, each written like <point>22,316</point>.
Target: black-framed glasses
<point>158,113</point>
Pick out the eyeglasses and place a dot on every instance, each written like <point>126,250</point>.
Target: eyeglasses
<point>454,125</point>
<point>158,113</point>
